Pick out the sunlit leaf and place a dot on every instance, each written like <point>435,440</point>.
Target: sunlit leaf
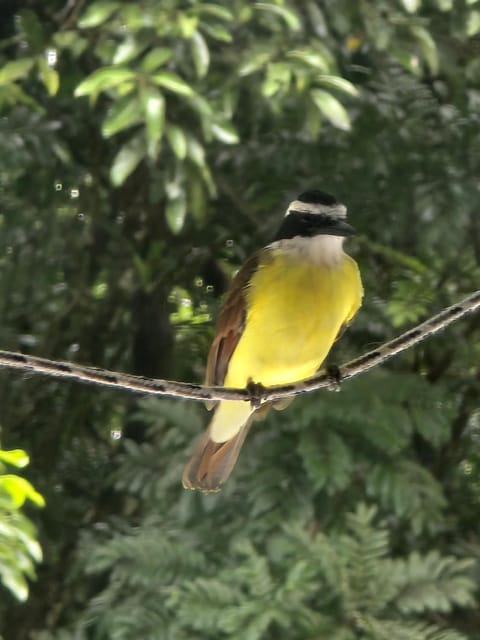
<point>444,5</point>
<point>196,151</point>
<point>175,213</point>
<point>412,6</point>
<point>331,108</point>
<point>155,58</point>
<point>428,46</point>
<point>14,582</point>
<point>225,132</point>
<point>200,105</point>
<point>126,160</point>
<point>20,490</point>
<point>127,50</point>
<point>172,82</point>
<point>33,547</point>
<point>134,16</point>
<point>15,70</point>
<point>336,82</point>
<point>217,32</point>
<point>310,57</point>
<point>187,24</point>
<point>15,457</point>
<point>407,59</point>
<point>154,111</point>
<point>473,23</point>
<point>49,76</point>
<point>200,54</point>
<point>103,79</point>
<point>277,78</point>
<point>177,140</point>
<point>123,114</point>
<point>97,13</point>
<point>288,15</point>
<point>255,60</point>
<point>215,10</point>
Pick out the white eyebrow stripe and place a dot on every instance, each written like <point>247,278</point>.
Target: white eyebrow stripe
<point>337,210</point>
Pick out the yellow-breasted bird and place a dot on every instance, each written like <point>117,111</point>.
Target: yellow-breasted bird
<point>282,313</point>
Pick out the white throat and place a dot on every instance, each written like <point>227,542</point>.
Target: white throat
<point>323,250</point>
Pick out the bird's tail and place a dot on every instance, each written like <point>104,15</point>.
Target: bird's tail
<point>212,462</point>
<point>216,451</point>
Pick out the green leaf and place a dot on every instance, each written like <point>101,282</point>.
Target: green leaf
<point>127,50</point>
<point>175,213</point>
<point>97,13</point>
<point>177,140</point>
<point>225,132</point>
<point>15,70</point>
<point>444,5</point>
<point>331,108</point>
<point>154,110</point>
<point>327,460</point>
<point>103,79</point>
<point>134,16</point>
<point>187,24</point>
<point>428,46</point>
<point>20,490</point>
<point>155,58</point>
<point>32,29</point>
<point>125,113</point>
<point>15,457</point>
<point>14,582</point>
<point>196,151</point>
<point>311,57</point>
<point>126,160</point>
<point>277,78</point>
<point>256,59</point>
<point>313,121</point>
<point>288,15</point>
<point>200,54</point>
<point>217,32</point>
<point>408,60</point>
<point>172,82</point>
<point>473,23</point>
<point>336,82</point>
<point>197,199</point>
<point>49,76</point>
<point>412,6</point>
<point>215,10</point>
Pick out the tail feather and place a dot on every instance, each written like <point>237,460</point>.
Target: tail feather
<point>212,462</point>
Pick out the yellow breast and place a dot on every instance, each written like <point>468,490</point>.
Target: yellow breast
<point>295,309</point>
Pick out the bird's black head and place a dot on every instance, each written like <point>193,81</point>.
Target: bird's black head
<point>314,213</point>
<point>317,197</point>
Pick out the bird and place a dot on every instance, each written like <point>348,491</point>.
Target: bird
<point>282,313</point>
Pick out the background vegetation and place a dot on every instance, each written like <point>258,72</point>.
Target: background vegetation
<point>147,149</point>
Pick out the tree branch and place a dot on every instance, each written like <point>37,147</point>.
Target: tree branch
<point>139,384</point>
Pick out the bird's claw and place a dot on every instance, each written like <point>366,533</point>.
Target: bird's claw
<point>334,378</point>
<point>256,391</point>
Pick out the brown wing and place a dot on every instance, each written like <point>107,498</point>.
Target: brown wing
<point>230,324</point>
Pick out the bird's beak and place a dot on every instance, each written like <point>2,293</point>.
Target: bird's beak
<point>337,228</point>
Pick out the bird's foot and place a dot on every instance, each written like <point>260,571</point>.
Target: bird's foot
<point>334,378</point>
<point>256,391</point>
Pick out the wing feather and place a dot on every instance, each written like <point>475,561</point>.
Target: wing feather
<point>230,324</point>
